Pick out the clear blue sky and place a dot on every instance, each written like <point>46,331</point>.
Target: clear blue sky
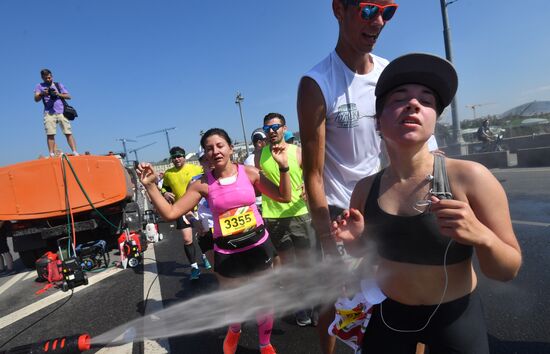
<point>135,66</point>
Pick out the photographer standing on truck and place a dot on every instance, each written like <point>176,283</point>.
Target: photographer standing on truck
<point>51,93</point>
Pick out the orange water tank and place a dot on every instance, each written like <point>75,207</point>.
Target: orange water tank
<point>36,189</point>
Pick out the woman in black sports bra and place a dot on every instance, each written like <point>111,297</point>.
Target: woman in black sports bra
<point>425,240</point>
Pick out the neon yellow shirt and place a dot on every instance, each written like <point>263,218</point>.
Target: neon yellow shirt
<point>297,206</point>
<point>178,179</point>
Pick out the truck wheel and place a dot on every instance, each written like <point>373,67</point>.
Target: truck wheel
<point>28,258</point>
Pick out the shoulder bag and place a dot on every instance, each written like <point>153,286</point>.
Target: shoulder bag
<point>68,111</point>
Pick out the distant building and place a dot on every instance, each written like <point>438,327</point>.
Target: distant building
<point>531,109</point>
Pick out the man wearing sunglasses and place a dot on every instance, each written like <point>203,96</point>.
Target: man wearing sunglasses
<point>336,109</point>
<point>174,185</point>
<point>289,224</point>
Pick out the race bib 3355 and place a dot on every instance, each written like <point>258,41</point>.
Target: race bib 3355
<point>238,220</point>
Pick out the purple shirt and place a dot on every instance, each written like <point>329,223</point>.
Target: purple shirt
<point>51,106</point>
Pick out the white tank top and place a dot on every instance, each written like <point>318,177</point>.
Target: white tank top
<point>352,144</point>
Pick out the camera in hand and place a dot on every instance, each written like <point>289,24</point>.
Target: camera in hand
<point>52,92</point>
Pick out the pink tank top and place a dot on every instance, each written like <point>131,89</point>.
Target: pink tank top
<point>234,208</point>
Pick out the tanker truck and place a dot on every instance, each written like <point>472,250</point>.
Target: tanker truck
<point>45,199</point>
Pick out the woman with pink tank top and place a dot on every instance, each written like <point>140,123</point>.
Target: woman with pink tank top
<point>242,247</point>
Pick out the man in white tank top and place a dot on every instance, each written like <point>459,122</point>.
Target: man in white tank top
<point>336,107</point>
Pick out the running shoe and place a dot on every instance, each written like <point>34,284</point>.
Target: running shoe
<point>231,341</point>
<point>205,262</point>
<point>195,273</point>
<point>302,318</point>
<point>267,350</point>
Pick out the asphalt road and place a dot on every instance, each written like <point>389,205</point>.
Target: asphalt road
<point>517,312</point>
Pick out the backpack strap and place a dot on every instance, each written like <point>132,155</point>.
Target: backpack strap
<point>440,185</point>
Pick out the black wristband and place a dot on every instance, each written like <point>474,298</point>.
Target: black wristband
<point>284,169</point>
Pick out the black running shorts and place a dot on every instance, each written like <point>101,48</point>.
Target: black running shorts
<point>245,263</point>
<point>457,327</point>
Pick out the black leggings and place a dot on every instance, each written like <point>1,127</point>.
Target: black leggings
<point>457,327</point>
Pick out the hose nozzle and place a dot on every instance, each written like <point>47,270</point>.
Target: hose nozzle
<point>63,345</point>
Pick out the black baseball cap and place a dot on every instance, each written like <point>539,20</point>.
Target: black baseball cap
<point>419,68</point>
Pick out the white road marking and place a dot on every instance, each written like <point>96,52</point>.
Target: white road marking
<point>14,279</point>
<point>32,274</point>
<point>153,297</point>
<point>530,223</point>
<point>40,304</point>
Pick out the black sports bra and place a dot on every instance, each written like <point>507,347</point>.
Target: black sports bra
<point>409,239</point>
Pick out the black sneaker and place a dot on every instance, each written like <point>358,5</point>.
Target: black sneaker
<point>302,318</point>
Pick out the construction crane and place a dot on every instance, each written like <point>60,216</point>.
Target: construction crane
<point>124,141</point>
<point>139,148</point>
<point>165,131</point>
<point>475,105</point>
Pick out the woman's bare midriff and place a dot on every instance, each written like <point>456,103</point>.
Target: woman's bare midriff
<point>414,284</point>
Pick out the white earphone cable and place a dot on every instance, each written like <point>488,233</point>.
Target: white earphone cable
<point>436,308</point>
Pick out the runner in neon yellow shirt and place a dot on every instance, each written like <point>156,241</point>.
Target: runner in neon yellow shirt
<point>174,185</point>
<point>289,224</point>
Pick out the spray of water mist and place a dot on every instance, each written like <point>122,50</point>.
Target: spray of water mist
<point>318,283</point>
